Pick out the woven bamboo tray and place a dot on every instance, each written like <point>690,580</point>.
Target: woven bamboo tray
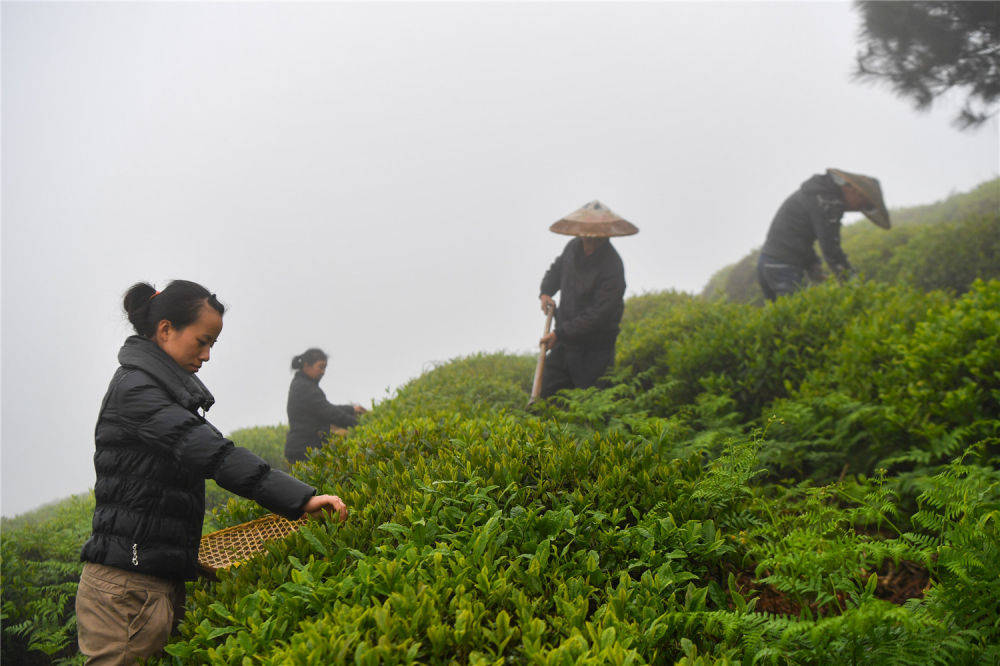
<point>237,544</point>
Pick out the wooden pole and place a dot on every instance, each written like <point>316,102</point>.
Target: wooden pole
<point>536,387</point>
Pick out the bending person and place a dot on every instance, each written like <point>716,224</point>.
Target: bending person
<point>154,452</point>
<point>812,213</point>
<point>310,414</point>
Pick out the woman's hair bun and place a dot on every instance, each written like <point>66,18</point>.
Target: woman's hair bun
<point>297,362</point>
<point>136,306</point>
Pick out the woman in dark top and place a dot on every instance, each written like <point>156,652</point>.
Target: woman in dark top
<point>310,414</point>
<point>154,451</point>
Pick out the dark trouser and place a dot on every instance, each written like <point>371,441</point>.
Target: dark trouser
<point>777,278</point>
<point>575,366</point>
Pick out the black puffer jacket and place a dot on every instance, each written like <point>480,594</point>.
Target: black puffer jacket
<point>811,213</point>
<point>593,290</point>
<point>310,416</point>
<point>154,452</point>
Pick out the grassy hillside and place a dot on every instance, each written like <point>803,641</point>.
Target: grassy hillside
<point>811,482</point>
<point>814,481</point>
<point>945,245</point>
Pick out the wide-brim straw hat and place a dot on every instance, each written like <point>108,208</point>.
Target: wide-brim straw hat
<point>595,220</point>
<point>872,192</point>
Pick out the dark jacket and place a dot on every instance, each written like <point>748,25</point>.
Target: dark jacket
<point>310,416</point>
<point>154,452</point>
<point>812,213</point>
<point>593,289</point>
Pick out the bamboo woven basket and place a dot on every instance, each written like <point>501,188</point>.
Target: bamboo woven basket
<point>237,544</point>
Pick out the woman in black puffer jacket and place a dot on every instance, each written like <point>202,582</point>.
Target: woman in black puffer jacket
<point>310,414</point>
<point>154,452</point>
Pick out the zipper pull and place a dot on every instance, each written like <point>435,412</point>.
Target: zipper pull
<point>135,554</point>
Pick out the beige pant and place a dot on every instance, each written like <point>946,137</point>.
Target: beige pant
<point>122,616</point>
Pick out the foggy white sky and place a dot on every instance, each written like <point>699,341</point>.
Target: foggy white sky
<point>378,179</point>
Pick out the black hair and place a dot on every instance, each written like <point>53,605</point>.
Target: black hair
<point>180,303</point>
<point>308,357</point>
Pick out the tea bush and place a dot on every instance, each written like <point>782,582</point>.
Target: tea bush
<point>473,385</point>
<point>507,538</point>
<point>752,355</point>
<point>913,384</point>
<point>39,570</point>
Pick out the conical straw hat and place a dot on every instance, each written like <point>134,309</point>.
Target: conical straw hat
<point>872,191</point>
<point>595,220</point>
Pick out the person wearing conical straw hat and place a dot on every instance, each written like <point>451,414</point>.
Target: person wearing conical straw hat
<point>590,278</point>
<point>813,213</point>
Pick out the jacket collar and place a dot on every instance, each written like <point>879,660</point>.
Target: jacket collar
<point>144,354</point>
<point>580,256</point>
<point>299,374</point>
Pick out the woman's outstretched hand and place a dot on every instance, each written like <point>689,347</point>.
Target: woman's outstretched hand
<point>329,503</point>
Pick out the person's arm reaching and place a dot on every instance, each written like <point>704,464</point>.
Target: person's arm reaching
<point>826,226</point>
<point>314,401</point>
<point>196,444</point>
